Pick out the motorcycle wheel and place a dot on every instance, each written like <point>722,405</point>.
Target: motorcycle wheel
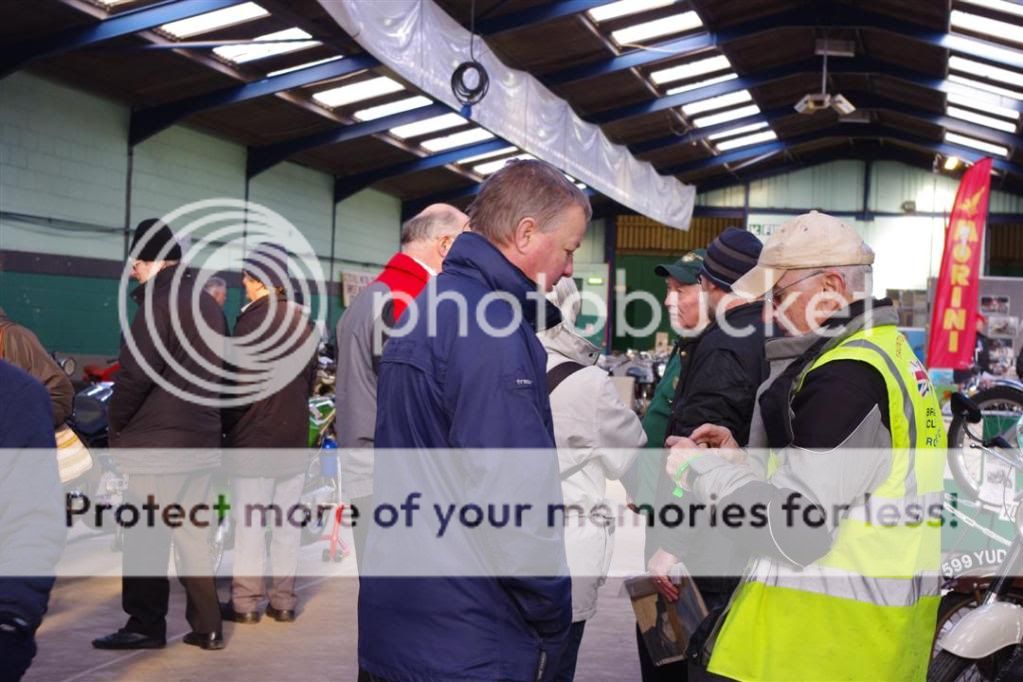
<point>1002,407</point>
<point>953,607</point>
<point>947,667</point>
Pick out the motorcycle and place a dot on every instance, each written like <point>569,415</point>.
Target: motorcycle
<point>980,620</point>
<point>644,367</point>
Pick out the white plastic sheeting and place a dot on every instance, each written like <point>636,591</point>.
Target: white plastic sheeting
<point>424,45</point>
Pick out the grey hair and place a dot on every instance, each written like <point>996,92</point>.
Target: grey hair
<point>859,280</point>
<point>432,222</point>
<point>215,284</point>
<point>523,189</point>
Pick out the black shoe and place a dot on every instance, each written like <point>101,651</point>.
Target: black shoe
<point>122,639</point>
<point>281,615</point>
<point>210,641</point>
<point>227,612</point>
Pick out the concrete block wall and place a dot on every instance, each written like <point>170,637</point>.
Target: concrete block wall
<point>64,190</point>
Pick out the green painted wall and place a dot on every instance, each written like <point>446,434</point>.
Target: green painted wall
<point>64,187</point>
<point>638,274</point>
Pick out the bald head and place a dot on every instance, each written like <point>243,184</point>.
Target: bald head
<point>428,235</point>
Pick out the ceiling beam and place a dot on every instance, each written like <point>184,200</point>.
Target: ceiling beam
<point>122,24</point>
<point>548,11</point>
<point>347,186</point>
<point>266,157</point>
<point>839,131</point>
<point>147,122</point>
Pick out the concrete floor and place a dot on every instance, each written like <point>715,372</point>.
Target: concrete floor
<point>320,645</point>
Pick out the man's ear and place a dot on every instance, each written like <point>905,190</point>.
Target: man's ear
<point>525,234</point>
<point>833,281</point>
<point>444,245</point>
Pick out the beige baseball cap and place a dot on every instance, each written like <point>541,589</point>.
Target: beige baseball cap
<point>810,240</point>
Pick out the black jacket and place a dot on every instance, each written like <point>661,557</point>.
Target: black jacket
<point>280,420</point>
<point>145,414</point>
<point>720,378</point>
<point>721,374</point>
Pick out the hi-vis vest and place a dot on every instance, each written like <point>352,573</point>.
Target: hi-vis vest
<point>867,610</point>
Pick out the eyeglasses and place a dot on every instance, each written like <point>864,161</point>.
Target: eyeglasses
<point>778,294</point>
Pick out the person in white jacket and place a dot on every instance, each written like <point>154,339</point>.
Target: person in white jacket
<point>598,438</point>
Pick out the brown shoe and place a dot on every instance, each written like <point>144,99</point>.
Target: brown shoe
<point>281,615</point>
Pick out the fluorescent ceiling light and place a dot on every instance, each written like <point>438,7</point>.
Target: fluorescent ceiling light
<point>980,70</point>
<point>725,116</point>
<point>625,8</point>
<point>999,6</point>
<point>737,131</point>
<point>956,138</point>
<point>264,46</point>
<point>402,105</point>
<point>307,65</point>
<point>746,140</point>
<point>494,166</point>
<point>428,125</point>
<point>699,84</point>
<point>487,155</point>
<point>439,144</point>
<point>221,18</point>
<point>980,119</point>
<point>690,69</point>
<point>719,102</point>
<point>978,85</point>
<point>951,163</point>
<point>1001,30</point>
<point>357,92</point>
<point>638,33</point>
<point>972,103</point>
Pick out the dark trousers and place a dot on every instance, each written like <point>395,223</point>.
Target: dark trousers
<point>570,654</point>
<point>361,526</point>
<point>145,589</point>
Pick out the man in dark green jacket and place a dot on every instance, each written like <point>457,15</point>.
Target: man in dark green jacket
<point>682,301</point>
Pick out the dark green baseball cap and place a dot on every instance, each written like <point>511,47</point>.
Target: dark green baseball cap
<point>685,269</point>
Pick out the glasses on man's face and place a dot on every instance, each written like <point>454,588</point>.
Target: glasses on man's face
<point>778,294</point>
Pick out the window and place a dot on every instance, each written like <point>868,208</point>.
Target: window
<point>725,116</point>
<point>487,155</point>
<point>690,69</point>
<point>402,105</point>
<point>700,84</point>
<point>999,30</point>
<point>737,131</point>
<point>977,85</point>
<point>494,166</point>
<point>439,144</point>
<point>746,140</point>
<point>981,119</point>
<point>979,70</point>
<point>998,6</point>
<point>625,8</point>
<point>264,46</point>
<point>427,126</point>
<point>963,140</point>
<point>719,102</point>
<point>221,18</point>
<point>638,33</point>
<point>307,65</point>
<point>974,103</point>
<point>357,92</point>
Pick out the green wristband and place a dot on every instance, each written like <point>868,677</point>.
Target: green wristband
<point>678,491</point>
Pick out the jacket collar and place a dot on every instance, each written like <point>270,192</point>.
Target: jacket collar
<point>473,256</point>
<point>409,266</point>
<point>851,319</point>
<point>734,315</point>
<point>262,301</point>
<point>567,342</point>
<point>161,280</point>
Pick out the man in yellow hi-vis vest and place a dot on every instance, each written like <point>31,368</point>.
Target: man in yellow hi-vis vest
<point>843,584</point>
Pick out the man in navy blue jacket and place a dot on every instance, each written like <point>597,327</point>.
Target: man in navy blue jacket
<point>481,607</point>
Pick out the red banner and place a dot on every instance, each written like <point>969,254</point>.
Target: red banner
<point>953,330</point>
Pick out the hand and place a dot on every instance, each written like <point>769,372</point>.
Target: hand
<point>721,439</point>
<point>714,436</point>
<point>659,565</point>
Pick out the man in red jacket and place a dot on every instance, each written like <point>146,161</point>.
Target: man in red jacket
<point>425,241</point>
